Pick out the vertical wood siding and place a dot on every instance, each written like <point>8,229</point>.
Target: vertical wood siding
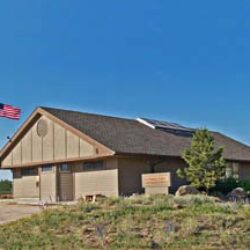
<point>36,143</point>
<point>47,143</point>
<point>58,144</point>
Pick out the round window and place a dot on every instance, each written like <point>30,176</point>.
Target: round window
<point>42,128</point>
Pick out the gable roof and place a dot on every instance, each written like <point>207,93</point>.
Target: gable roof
<point>127,136</point>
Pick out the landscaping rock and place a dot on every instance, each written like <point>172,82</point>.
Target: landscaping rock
<point>185,190</point>
<point>238,193</point>
<point>215,199</point>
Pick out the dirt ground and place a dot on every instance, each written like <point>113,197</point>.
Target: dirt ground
<point>13,212</point>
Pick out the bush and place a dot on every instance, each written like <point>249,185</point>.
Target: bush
<point>227,185</point>
<point>245,184</point>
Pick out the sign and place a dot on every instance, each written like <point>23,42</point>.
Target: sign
<point>156,180</point>
<point>157,183</point>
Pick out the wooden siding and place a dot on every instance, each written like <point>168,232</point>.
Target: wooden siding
<point>60,142</point>
<point>47,143</point>
<point>58,145</point>
<point>16,155</point>
<point>26,148</point>
<point>73,145</point>
<point>37,145</point>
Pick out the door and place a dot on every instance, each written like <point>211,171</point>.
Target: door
<point>48,184</point>
<point>66,189</point>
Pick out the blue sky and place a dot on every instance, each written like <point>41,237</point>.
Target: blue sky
<point>182,61</point>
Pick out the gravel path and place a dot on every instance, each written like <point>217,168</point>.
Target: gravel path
<point>9,212</point>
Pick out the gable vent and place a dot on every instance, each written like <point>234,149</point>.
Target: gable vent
<point>42,128</point>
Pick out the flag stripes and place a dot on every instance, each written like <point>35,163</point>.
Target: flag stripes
<point>9,111</point>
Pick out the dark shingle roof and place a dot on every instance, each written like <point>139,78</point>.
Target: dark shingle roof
<point>131,137</point>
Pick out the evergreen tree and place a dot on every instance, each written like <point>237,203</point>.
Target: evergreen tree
<point>206,164</point>
<point>5,186</point>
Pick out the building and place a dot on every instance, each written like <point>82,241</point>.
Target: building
<point>64,155</point>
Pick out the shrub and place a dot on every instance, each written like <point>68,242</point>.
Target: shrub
<point>227,185</point>
<point>245,184</point>
<point>5,187</point>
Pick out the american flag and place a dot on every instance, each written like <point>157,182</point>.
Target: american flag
<point>9,111</point>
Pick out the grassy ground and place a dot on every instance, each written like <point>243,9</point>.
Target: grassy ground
<point>161,222</point>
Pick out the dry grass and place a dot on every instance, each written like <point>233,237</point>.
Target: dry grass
<point>160,222</point>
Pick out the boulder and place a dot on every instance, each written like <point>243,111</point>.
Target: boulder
<point>185,190</point>
<point>238,193</point>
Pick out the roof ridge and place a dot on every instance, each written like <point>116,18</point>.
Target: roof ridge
<point>87,113</point>
<point>135,120</point>
<point>128,136</point>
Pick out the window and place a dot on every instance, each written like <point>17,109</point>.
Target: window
<point>29,171</point>
<point>65,167</point>
<point>228,172</point>
<point>236,170</point>
<point>232,170</point>
<point>47,168</point>
<point>98,165</point>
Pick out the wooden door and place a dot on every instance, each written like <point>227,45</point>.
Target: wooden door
<point>48,184</point>
<point>66,188</point>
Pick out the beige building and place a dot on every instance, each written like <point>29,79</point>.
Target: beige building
<point>60,155</point>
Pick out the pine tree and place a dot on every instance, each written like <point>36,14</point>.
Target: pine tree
<point>206,164</point>
<point>5,186</point>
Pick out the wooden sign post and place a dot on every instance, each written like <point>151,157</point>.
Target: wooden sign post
<point>157,183</point>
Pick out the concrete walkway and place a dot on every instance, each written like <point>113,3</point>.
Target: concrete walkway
<point>13,212</point>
